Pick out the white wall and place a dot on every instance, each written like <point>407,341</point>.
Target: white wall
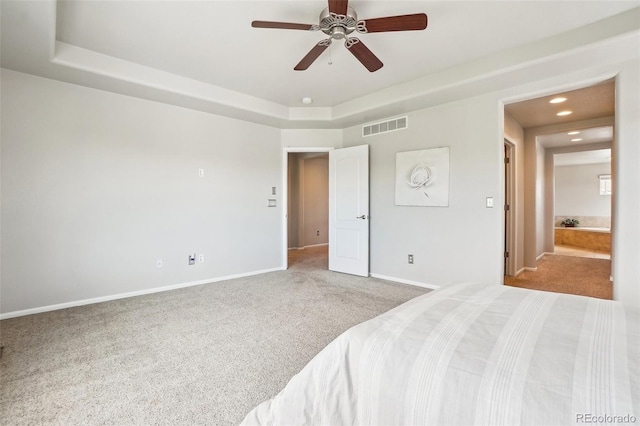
<point>626,204</point>
<point>316,200</point>
<point>294,218</point>
<point>578,190</point>
<point>96,186</point>
<point>464,241</point>
<point>450,244</point>
<point>317,138</point>
<point>308,209</point>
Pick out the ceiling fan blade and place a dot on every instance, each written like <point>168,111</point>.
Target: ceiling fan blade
<point>363,54</point>
<point>339,7</point>
<point>313,55</point>
<point>282,25</point>
<point>417,21</point>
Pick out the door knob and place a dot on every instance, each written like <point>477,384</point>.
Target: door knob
<point>362,217</point>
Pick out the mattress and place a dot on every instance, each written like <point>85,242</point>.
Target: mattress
<point>473,354</point>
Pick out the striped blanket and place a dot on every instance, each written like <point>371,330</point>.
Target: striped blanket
<point>473,354</point>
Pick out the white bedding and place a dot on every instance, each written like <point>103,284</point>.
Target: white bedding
<point>471,354</point>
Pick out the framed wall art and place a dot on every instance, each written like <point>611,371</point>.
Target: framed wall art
<point>422,178</point>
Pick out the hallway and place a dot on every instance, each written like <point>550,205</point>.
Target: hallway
<point>585,276</point>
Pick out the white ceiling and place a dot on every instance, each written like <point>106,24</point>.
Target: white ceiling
<point>595,156</point>
<point>585,104</point>
<point>589,103</point>
<point>206,55</point>
<point>213,41</point>
<point>585,136</point>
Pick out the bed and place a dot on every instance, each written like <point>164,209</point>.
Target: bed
<point>473,354</point>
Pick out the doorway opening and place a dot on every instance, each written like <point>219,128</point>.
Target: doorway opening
<point>347,233</point>
<point>582,202</point>
<point>587,124</point>
<point>305,190</point>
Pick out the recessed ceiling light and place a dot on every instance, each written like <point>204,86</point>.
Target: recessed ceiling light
<point>563,113</point>
<point>557,100</point>
<point>307,100</point>
<point>575,132</point>
<point>576,140</point>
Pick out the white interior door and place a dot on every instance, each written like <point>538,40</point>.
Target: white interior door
<point>349,210</point>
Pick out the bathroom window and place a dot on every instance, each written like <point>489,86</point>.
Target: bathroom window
<point>605,184</point>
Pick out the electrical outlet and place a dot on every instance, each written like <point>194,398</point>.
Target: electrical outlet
<point>159,263</point>
<point>192,259</point>
<point>201,258</point>
<point>411,259</point>
<point>317,233</point>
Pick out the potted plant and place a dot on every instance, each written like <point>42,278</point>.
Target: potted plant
<point>570,223</point>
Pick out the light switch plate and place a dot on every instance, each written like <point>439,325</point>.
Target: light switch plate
<point>489,202</point>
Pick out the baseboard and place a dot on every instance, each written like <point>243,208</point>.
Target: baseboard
<point>519,271</point>
<point>304,247</point>
<point>530,269</point>
<point>403,281</point>
<point>91,301</point>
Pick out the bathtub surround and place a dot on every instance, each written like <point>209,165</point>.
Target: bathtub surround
<point>594,239</point>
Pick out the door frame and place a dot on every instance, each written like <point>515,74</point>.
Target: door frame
<point>285,193</point>
<point>510,213</point>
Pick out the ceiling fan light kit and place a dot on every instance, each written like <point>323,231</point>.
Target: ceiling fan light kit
<point>338,21</point>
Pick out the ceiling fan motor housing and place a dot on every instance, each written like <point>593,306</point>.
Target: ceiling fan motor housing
<point>338,21</point>
<point>338,27</point>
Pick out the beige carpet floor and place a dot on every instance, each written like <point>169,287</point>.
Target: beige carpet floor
<point>568,274</point>
<point>202,355</point>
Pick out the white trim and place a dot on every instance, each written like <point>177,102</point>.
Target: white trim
<point>303,149</point>
<point>403,281</point>
<point>530,269</point>
<point>304,247</point>
<point>315,245</point>
<point>521,270</point>
<point>542,255</point>
<point>83,302</point>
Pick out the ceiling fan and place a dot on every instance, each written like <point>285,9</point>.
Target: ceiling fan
<point>338,21</point>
